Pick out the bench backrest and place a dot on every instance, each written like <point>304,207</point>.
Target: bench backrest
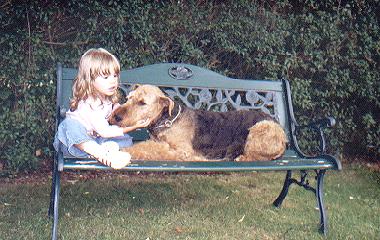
<point>197,88</point>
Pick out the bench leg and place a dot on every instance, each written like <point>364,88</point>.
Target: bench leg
<point>319,195</point>
<point>54,204</point>
<point>50,211</point>
<point>284,191</point>
<point>52,192</point>
<point>305,184</point>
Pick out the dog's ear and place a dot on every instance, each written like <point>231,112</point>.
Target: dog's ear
<point>135,86</point>
<point>132,90</point>
<point>167,102</point>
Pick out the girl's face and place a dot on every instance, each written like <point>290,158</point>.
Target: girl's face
<point>106,85</point>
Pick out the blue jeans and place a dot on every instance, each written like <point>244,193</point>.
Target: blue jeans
<point>71,132</point>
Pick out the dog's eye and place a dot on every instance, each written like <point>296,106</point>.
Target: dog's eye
<point>141,103</point>
<point>117,118</point>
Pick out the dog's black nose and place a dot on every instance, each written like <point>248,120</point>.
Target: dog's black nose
<point>117,118</point>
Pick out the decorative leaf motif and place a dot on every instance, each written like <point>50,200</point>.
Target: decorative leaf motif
<point>265,110</point>
<point>229,92</point>
<point>224,108</point>
<point>205,95</point>
<point>269,96</point>
<point>197,105</point>
<point>238,100</point>
<point>219,96</point>
<point>171,93</point>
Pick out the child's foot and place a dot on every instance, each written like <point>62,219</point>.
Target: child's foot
<point>115,159</point>
<point>108,153</point>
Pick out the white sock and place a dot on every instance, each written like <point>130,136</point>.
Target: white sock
<point>93,149</point>
<point>110,146</point>
<point>109,154</point>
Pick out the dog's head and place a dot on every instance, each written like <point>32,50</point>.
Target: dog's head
<point>144,102</point>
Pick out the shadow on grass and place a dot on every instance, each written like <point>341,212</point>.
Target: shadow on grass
<point>99,195</point>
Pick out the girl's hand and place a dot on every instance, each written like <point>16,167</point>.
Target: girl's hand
<point>143,123</point>
<point>140,124</point>
<point>114,107</point>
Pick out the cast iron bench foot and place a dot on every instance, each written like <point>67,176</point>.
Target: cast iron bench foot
<point>305,184</point>
<point>319,195</point>
<point>284,191</point>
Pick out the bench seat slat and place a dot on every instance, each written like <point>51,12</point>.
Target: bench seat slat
<point>189,166</point>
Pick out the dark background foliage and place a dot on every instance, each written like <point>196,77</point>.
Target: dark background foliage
<point>329,50</point>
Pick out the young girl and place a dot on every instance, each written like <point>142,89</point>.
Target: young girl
<point>85,131</point>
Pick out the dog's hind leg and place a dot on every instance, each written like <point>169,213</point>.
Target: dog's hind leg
<point>233,151</point>
<point>266,141</point>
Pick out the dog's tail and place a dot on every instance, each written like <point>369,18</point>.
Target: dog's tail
<point>266,141</point>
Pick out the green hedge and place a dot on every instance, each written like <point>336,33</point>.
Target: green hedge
<point>329,52</point>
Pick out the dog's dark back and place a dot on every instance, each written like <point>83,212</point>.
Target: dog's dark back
<point>222,135</point>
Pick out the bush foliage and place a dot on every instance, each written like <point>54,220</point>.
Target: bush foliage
<point>329,52</point>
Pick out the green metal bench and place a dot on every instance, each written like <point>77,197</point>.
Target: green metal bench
<point>201,88</point>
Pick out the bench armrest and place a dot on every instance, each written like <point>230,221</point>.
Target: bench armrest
<point>318,126</point>
<point>321,123</point>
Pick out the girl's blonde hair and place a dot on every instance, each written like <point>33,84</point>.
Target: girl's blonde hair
<point>93,63</point>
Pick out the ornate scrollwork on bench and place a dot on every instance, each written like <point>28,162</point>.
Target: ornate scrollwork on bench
<point>221,100</point>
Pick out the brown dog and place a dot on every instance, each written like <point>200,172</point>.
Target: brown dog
<point>180,133</point>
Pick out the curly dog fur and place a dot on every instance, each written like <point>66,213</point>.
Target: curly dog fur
<point>180,133</point>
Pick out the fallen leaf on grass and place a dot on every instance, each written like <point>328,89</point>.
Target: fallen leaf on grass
<point>72,181</point>
<point>241,219</point>
<point>179,230</point>
<point>141,211</point>
<point>38,152</point>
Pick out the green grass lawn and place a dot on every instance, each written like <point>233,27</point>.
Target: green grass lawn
<point>232,206</point>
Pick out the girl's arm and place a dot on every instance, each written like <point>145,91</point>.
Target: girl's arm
<point>95,117</point>
<point>104,129</point>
